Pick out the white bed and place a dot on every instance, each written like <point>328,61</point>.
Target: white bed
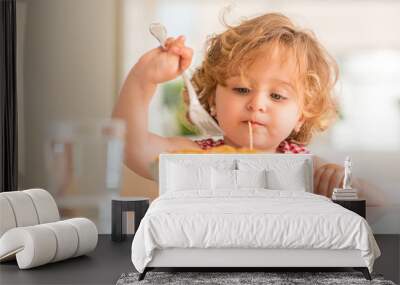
<point>247,211</point>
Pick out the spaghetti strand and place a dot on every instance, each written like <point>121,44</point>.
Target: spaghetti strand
<point>250,135</point>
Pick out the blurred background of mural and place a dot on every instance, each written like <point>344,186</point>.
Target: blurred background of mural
<point>73,56</point>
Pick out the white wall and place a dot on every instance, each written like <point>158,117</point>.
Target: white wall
<point>74,55</point>
<point>67,60</point>
<point>345,28</point>
<point>69,70</point>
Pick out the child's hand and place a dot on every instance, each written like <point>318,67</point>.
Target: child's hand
<point>327,177</point>
<point>164,64</point>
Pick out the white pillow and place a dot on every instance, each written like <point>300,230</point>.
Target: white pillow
<point>182,177</point>
<point>251,178</point>
<point>227,179</point>
<point>223,179</point>
<point>295,180</point>
<point>282,173</point>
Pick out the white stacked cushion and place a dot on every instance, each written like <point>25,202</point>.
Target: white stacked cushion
<point>67,239</point>
<point>33,246</point>
<point>46,207</point>
<point>26,208</point>
<point>23,208</point>
<point>31,232</point>
<point>87,235</point>
<point>7,218</point>
<point>41,244</point>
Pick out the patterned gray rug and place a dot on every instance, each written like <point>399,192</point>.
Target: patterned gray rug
<point>229,278</point>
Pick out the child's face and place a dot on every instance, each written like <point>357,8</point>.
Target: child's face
<point>266,97</point>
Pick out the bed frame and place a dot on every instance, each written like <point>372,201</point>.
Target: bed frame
<point>261,259</point>
<point>248,259</point>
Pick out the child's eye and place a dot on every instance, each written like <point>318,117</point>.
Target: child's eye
<point>241,90</point>
<point>277,97</point>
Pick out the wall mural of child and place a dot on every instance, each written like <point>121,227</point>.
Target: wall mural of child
<point>265,71</point>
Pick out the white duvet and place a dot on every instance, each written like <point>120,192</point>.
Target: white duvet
<point>252,218</point>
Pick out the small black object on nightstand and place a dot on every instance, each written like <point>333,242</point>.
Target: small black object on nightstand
<point>120,205</point>
<point>357,206</point>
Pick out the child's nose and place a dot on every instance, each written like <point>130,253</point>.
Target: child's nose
<point>258,102</point>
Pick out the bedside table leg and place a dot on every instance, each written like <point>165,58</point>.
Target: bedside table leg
<point>140,211</point>
<point>116,221</point>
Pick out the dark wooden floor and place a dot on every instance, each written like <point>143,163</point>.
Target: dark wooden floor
<point>110,260</point>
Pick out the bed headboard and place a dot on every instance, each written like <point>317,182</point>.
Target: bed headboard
<point>237,161</point>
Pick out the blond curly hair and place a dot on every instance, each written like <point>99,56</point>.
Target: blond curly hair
<point>237,47</point>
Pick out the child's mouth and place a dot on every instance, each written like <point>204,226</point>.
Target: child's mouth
<point>255,123</point>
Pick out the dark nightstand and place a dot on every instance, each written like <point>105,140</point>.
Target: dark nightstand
<point>357,206</point>
<point>121,205</point>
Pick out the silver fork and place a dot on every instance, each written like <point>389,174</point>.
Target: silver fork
<point>198,115</point>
